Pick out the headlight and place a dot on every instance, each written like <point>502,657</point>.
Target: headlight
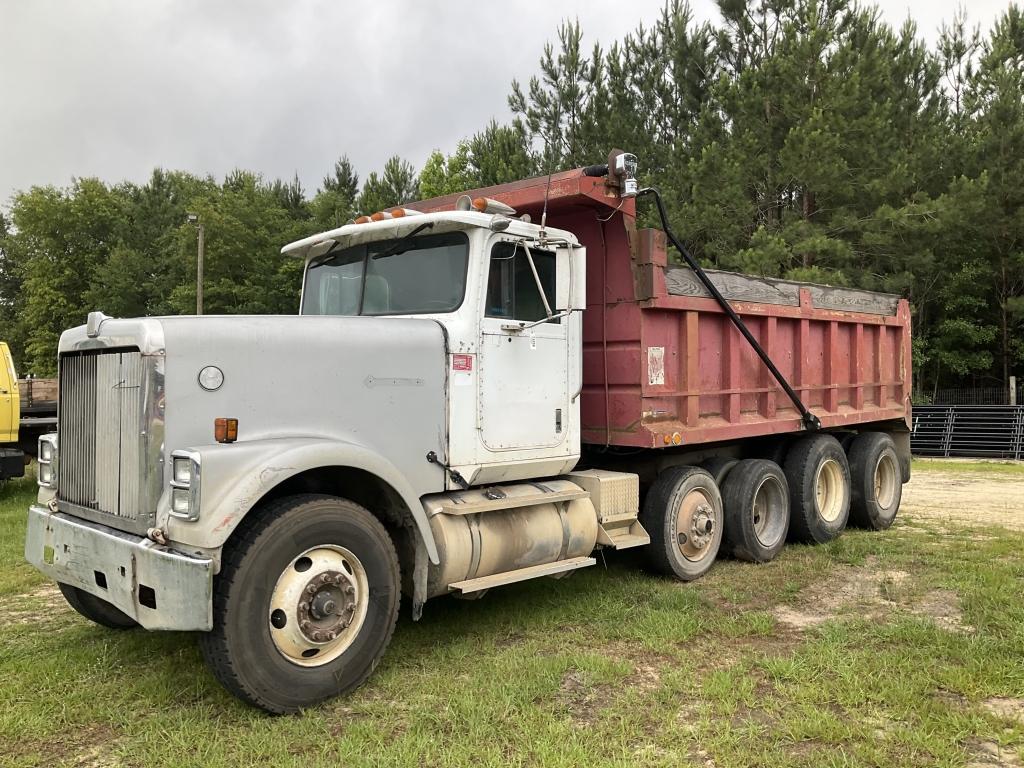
<point>182,467</point>
<point>185,485</point>
<point>46,475</point>
<point>46,454</point>
<point>179,502</point>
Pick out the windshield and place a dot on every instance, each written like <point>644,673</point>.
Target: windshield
<point>401,276</point>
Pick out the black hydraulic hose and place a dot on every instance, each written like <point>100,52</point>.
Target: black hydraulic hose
<point>810,421</point>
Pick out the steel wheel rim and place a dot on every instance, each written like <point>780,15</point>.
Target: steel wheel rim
<point>696,525</point>
<point>769,512</point>
<point>885,481</point>
<point>829,490</point>
<point>318,605</point>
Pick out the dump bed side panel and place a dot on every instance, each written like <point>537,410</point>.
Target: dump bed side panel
<point>670,368</point>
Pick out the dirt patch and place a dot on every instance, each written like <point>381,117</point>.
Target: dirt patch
<point>90,747</point>
<point>583,701</point>
<point>1006,707</point>
<point>45,600</point>
<point>869,592</point>
<point>953,500</point>
<point>985,754</point>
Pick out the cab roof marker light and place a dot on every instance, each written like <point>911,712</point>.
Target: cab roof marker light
<point>362,220</point>
<point>380,216</point>
<point>489,205</point>
<point>398,213</point>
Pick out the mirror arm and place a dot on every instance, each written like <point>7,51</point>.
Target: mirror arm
<point>536,279</point>
<point>517,327</point>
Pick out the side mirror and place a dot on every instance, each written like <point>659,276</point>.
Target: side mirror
<point>570,279</point>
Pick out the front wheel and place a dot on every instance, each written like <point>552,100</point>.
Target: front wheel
<point>683,515</point>
<point>305,603</point>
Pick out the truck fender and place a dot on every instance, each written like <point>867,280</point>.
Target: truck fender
<point>235,477</point>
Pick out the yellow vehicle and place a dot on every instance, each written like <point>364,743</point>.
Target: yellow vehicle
<point>12,458</point>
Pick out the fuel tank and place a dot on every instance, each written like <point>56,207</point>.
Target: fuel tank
<point>481,532</point>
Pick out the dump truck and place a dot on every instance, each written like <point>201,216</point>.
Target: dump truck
<point>477,390</point>
<point>28,409</point>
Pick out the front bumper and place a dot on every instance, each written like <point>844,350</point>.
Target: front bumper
<point>156,586</point>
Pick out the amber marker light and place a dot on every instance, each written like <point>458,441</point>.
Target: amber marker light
<point>225,430</point>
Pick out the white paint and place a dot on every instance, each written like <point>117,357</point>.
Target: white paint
<point>656,366</point>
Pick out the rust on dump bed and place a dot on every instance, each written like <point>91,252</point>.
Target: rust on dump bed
<point>662,363</point>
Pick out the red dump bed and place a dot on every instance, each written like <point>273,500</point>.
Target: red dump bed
<point>662,363</point>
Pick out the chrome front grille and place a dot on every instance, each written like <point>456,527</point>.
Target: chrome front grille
<point>105,433</point>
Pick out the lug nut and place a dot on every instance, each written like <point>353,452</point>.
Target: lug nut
<point>303,606</point>
<point>311,589</point>
<point>318,636</point>
<point>305,625</point>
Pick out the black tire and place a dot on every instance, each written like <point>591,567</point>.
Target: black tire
<point>772,449</point>
<point>718,467</point>
<point>96,609</point>
<point>876,481</point>
<point>756,499</point>
<point>810,460</point>
<point>668,551</point>
<point>240,650</point>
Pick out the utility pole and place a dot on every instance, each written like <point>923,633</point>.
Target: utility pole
<point>194,219</point>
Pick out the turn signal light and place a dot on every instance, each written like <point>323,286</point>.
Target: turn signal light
<point>225,430</point>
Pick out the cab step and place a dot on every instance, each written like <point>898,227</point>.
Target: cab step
<point>522,574</point>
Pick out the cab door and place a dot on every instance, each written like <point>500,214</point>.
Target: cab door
<point>523,395</point>
<point>10,406</point>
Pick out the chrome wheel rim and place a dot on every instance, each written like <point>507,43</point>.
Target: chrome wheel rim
<point>318,605</point>
<point>885,481</point>
<point>696,525</point>
<point>769,512</point>
<point>829,490</point>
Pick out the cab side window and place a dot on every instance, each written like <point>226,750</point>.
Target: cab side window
<point>511,289</point>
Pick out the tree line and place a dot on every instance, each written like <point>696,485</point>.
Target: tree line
<point>804,139</point>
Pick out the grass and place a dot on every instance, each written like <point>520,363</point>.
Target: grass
<point>991,467</point>
<point>610,667</point>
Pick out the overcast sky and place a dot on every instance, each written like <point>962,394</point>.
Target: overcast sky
<point>114,88</point>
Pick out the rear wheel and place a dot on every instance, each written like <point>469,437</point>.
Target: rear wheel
<point>683,515</point>
<point>719,467</point>
<point>876,480</point>
<point>756,499</point>
<point>96,609</point>
<point>305,603</point>
<point>819,489</point>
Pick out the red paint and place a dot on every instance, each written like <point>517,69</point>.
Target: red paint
<point>849,368</point>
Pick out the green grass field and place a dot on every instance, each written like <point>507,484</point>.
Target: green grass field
<point>904,648</point>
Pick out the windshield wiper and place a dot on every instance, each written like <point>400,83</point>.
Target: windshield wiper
<point>397,246</point>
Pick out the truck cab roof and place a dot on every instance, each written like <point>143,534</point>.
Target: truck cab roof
<point>441,221</point>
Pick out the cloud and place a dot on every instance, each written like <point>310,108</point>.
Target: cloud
<point>115,88</point>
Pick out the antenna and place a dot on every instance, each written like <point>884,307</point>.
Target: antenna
<point>547,191</point>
